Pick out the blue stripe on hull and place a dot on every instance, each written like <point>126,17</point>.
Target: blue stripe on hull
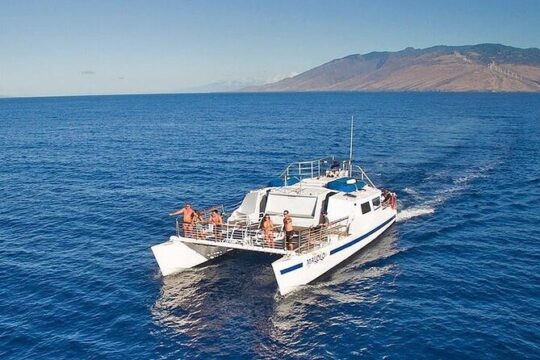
<point>357,240</point>
<point>291,268</point>
<point>342,247</point>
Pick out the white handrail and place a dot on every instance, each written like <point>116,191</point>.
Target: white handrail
<point>314,168</point>
<point>241,232</point>
<point>303,169</point>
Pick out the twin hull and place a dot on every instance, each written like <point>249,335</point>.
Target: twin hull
<point>291,271</point>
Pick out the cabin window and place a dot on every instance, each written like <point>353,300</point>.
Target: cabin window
<point>376,202</point>
<point>366,208</point>
<point>262,205</point>
<point>298,206</point>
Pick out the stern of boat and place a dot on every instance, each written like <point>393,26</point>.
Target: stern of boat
<point>174,256</point>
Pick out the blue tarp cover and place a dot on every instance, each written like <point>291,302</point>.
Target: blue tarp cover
<point>341,185</point>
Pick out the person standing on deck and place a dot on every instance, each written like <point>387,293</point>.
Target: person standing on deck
<point>198,224</point>
<point>324,221</point>
<point>289,230</point>
<point>268,228</point>
<point>217,221</point>
<point>187,213</point>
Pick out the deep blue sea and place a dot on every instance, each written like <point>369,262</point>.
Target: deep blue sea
<point>86,184</point>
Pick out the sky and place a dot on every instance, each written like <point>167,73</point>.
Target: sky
<point>65,47</point>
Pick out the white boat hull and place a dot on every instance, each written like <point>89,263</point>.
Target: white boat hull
<point>294,271</point>
<point>335,210</point>
<point>175,256</point>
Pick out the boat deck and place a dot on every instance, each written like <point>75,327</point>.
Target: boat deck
<point>305,185</point>
<point>251,238</point>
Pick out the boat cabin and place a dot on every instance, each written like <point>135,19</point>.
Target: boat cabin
<point>306,200</point>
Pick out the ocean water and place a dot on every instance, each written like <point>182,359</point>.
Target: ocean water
<point>86,184</point>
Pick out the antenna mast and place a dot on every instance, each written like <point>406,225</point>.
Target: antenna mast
<point>351,144</point>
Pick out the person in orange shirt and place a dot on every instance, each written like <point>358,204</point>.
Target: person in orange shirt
<point>217,221</point>
<point>188,214</point>
<point>289,230</point>
<point>268,229</point>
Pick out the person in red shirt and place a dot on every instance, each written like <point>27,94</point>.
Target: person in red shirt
<point>188,214</point>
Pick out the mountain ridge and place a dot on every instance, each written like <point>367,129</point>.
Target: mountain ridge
<point>481,67</point>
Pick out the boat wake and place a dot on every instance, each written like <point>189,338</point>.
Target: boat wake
<point>453,188</point>
<point>413,212</point>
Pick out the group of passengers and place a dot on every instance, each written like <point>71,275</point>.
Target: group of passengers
<point>193,222</point>
<point>334,169</point>
<point>267,227</point>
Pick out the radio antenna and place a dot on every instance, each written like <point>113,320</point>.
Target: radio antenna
<point>351,144</point>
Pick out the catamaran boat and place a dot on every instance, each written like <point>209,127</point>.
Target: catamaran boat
<point>335,208</point>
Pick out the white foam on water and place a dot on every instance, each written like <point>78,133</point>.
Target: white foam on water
<point>413,212</point>
<point>463,180</point>
<point>410,191</point>
<point>439,197</point>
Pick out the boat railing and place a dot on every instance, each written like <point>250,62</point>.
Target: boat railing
<point>306,169</point>
<point>316,237</point>
<point>246,234</point>
<point>359,173</point>
<point>243,232</point>
<point>321,167</point>
<point>244,219</point>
